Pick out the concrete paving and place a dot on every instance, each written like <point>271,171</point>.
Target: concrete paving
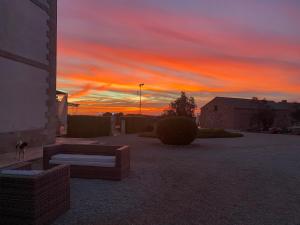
<point>253,180</point>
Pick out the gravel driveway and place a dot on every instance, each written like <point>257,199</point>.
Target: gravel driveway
<point>253,180</point>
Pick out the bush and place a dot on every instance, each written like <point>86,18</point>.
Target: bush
<point>217,133</point>
<point>177,130</point>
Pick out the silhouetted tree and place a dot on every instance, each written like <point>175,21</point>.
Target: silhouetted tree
<point>107,114</point>
<point>119,114</point>
<point>168,112</point>
<point>182,106</point>
<point>118,117</point>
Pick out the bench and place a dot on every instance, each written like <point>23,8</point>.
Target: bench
<point>90,161</point>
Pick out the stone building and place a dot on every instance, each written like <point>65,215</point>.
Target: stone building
<point>237,113</point>
<point>27,72</point>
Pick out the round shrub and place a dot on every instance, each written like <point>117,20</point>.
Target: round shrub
<point>177,130</point>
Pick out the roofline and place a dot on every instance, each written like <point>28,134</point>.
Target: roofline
<point>210,102</point>
<point>249,99</point>
<point>58,92</point>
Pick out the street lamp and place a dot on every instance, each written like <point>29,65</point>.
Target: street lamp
<point>141,85</point>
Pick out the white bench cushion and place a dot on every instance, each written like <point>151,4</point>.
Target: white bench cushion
<point>82,163</point>
<point>84,160</point>
<point>79,157</point>
<point>22,172</point>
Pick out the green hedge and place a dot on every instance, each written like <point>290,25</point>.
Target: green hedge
<point>177,130</point>
<point>137,124</point>
<point>88,126</point>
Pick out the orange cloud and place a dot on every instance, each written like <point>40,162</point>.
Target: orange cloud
<point>102,60</point>
<point>85,90</point>
<point>239,72</point>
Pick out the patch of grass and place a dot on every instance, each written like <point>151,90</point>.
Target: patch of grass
<point>202,133</point>
<point>217,133</point>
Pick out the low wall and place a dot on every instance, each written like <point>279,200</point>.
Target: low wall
<point>88,126</point>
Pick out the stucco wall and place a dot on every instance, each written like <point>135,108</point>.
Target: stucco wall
<point>223,117</point>
<point>243,118</point>
<point>228,116</point>
<point>283,119</point>
<point>23,29</point>
<point>28,72</point>
<point>23,96</point>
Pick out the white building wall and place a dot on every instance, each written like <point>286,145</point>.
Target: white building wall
<point>23,97</point>
<point>27,72</point>
<point>23,29</point>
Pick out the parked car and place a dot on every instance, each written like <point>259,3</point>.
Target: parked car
<point>279,130</point>
<point>275,130</point>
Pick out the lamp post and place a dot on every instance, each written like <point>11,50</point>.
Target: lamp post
<point>141,85</point>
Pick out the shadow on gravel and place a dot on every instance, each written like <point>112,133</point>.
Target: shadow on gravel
<point>193,146</point>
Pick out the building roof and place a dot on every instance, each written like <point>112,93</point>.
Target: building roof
<point>73,104</point>
<point>255,103</point>
<point>58,92</point>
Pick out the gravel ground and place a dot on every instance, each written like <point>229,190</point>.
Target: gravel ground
<point>245,181</point>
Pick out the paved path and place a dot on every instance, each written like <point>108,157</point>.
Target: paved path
<point>253,180</point>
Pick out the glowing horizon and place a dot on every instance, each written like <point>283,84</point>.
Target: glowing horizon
<point>206,48</point>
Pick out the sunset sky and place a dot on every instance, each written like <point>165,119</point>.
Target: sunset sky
<point>208,48</point>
